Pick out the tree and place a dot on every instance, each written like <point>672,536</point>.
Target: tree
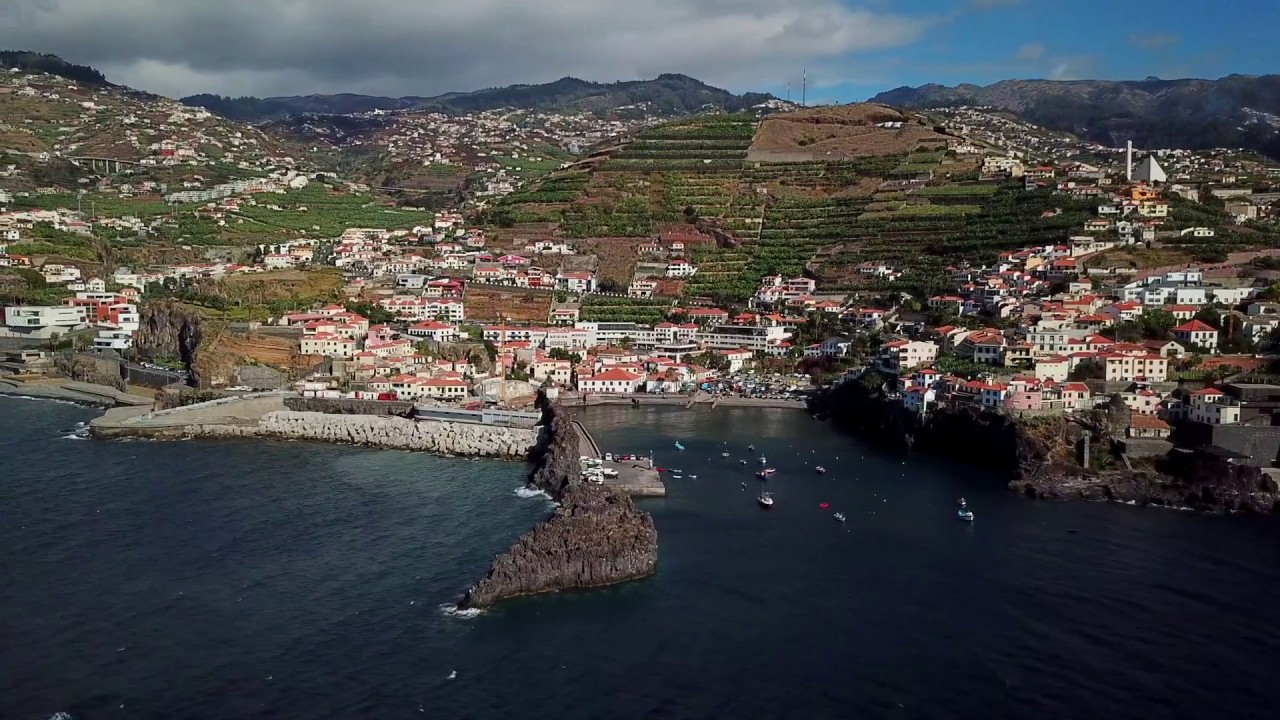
<point>626,341</point>
<point>562,354</point>
<point>1209,316</point>
<point>373,313</point>
<point>1156,324</point>
<point>609,285</point>
<point>1088,370</point>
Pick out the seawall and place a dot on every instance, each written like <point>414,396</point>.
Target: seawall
<point>596,537</point>
<point>265,415</point>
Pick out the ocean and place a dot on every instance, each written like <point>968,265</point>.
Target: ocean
<point>238,579</point>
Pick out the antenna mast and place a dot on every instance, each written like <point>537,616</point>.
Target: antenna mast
<point>804,87</point>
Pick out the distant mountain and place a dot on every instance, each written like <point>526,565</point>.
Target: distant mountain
<point>668,94</point>
<point>1234,111</point>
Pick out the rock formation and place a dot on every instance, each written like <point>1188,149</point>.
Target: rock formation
<point>596,537</point>
<point>166,329</point>
<point>1040,457</point>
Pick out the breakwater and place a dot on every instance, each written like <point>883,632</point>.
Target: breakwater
<point>264,416</point>
<point>1058,457</point>
<point>596,537</point>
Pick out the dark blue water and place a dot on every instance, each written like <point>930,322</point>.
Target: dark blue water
<point>278,580</point>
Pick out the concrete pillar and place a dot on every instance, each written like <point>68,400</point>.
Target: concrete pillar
<point>1084,447</point>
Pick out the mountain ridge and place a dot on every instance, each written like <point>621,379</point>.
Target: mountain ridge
<point>670,93</point>
<point>1232,111</point>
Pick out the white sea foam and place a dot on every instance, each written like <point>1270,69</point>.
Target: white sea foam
<point>76,436</point>
<point>528,492</point>
<point>455,611</point>
<point>43,399</point>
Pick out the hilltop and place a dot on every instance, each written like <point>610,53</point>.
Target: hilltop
<point>670,94</point>
<point>1234,111</point>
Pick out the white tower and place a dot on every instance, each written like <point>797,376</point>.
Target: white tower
<point>1128,161</point>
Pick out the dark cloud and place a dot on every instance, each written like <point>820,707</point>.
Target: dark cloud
<point>279,47</point>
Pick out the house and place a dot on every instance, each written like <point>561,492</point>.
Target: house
<point>1053,367</point>
<point>918,398</point>
<point>680,269</point>
<point>576,281</point>
<point>1199,334</point>
<point>611,382</point>
<point>900,355</point>
<point>1148,426</point>
<point>1213,407</point>
<point>328,344</point>
<point>445,388</point>
<point>433,330</point>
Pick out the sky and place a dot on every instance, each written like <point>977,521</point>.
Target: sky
<point>851,49</point>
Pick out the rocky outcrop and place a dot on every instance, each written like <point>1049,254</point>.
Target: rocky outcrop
<point>168,330</point>
<point>1040,456</point>
<point>596,537</point>
<point>1186,483</point>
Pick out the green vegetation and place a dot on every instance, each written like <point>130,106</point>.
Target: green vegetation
<point>620,309</point>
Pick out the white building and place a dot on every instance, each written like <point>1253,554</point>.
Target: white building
<point>43,321</point>
<point>611,382</point>
<point>1212,407</point>
<point>747,337</point>
<point>1149,171</point>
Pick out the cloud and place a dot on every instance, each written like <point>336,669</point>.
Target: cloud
<point>1154,41</point>
<point>287,47</point>
<point>1030,51</point>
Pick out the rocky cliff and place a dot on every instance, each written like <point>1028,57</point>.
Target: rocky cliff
<point>1041,456</point>
<point>168,330</point>
<point>596,537</point>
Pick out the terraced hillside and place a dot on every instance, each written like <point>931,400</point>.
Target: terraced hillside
<point>816,191</point>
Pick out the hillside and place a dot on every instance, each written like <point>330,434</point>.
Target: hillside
<point>816,191</point>
<point>52,124</point>
<point>1234,111</point>
<point>669,94</point>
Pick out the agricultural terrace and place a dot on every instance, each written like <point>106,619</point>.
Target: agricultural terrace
<point>602,308</point>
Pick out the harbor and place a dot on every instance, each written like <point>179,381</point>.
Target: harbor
<point>636,476</point>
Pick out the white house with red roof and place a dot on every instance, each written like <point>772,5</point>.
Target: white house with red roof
<point>576,281</point>
<point>1197,333</point>
<point>613,381</point>
<point>1213,407</point>
<point>433,330</point>
<point>679,268</point>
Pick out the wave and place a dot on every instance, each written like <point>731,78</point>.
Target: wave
<point>76,436</point>
<point>463,614</point>
<point>60,401</point>
<point>528,492</point>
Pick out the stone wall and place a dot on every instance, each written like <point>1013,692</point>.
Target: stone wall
<point>393,432</point>
<point>348,406</point>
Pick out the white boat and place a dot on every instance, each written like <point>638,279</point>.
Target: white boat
<point>724,454</point>
<point>679,445</point>
<point>693,477</point>
<point>763,460</point>
<point>965,514</point>
<point>819,469</point>
<point>839,517</point>
<point>765,500</point>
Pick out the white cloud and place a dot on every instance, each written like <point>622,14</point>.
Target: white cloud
<point>414,47</point>
<point>1030,51</point>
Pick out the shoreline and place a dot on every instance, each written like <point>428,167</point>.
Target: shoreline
<point>80,393</point>
<point>683,402</point>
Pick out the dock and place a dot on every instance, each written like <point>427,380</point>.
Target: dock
<point>636,478</point>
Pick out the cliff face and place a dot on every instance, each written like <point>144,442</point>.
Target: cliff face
<point>166,329</point>
<point>596,537</point>
<point>1040,457</point>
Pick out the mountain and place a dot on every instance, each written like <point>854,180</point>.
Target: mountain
<point>28,61</point>
<point>1234,111</point>
<point>669,94</point>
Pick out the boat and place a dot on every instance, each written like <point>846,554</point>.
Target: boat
<point>839,517</point>
<point>965,514</point>
<point>960,502</point>
<point>751,447</point>
<point>724,454</point>
<point>744,462</point>
<point>763,460</point>
<point>693,477</point>
<point>819,469</point>
<point>765,500</point>
<point>679,446</point>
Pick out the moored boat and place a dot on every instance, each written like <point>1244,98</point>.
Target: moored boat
<point>965,514</point>
<point>839,517</point>
<point>765,499</point>
<point>819,469</point>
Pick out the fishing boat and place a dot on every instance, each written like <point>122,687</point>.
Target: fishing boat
<point>960,502</point>
<point>765,473</point>
<point>819,469</point>
<point>765,499</point>
<point>751,447</point>
<point>743,462</point>
<point>839,517</point>
<point>679,445</point>
<point>763,460</point>
<point>724,454</point>
<point>965,514</point>
<point>693,477</point>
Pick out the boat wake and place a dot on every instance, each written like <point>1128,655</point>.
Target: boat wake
<point>528,492</point>
<point>462,614</point>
